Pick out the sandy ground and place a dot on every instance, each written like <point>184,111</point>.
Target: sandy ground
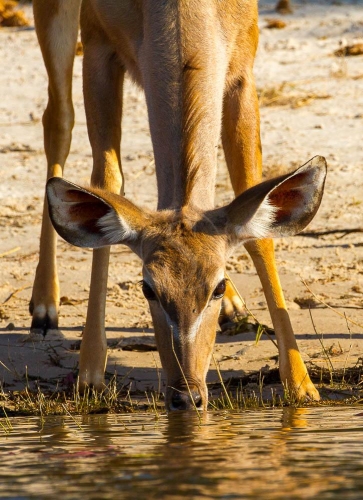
<point>312,103</point>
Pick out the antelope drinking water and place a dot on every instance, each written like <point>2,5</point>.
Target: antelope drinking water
<point>194,60</point>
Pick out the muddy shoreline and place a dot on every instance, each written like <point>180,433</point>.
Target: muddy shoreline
<point>311,103</point>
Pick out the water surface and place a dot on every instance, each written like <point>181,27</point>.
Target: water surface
<point>267,454</point>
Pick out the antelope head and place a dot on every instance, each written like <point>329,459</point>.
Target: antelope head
<point>184,253</point>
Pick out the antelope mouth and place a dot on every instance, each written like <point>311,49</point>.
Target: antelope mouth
<point>186,397</point>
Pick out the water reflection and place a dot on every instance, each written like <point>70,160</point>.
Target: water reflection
<point>271,454</point>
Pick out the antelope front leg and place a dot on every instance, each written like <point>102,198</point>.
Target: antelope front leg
<point>57,28</point>
<point>241,142</point>
<point>103,81</point>
<point>293,372</point>
<point>93,355</point>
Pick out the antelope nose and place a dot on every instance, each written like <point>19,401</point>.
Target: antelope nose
<point>185,400</point>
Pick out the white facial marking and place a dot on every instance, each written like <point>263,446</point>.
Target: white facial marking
<point>221,276</point>
<point>115,228</point>
<point>191,334</point>
<point>193,330</point>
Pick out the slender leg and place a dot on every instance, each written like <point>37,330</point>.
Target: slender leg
<point>241,142</point>
<point>56,23</point>
<point>103,81</point>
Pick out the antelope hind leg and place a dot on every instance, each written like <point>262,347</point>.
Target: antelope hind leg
<point>57,28</point>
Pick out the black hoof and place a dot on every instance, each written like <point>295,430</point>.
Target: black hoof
<point>42,325</point>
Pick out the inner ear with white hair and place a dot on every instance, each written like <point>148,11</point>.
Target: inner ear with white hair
<point>93,218</point>
<point>282,206</point>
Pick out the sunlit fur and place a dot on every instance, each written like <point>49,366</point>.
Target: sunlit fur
<point>260,225</point>
<point>194,59</point>
<point>184,255</point>
<point>115,228</point>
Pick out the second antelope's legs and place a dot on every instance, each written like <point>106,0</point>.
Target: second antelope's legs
<point>241,142</point>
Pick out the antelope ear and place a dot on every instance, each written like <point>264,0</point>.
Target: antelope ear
<point>278,207</point>
<point>93,217</point>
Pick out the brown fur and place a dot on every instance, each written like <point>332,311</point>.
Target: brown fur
<point>194,60</point>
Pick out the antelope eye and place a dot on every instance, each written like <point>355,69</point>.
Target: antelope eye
<point>148,292</point>
<point>219,290</point>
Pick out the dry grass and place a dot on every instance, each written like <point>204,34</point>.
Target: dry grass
<point>262,390</point>
<point>11,16</point>
<point>336,385</point>
<point>287,94</point>
<point>255,390</point>
<point>350,50</point>
<point>275,24</point>
<point>113,399</point>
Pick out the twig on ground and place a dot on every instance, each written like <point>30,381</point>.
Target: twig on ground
<point>330,307</point>
<point>12,250</point>
<point>320,337</point>
<point>230,405</point>
<point>15,292</point>
<point>252,316</point>
<point>350,345</point>
<point>317,234</point>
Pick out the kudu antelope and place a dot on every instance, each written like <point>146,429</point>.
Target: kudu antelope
<point>194,60</point>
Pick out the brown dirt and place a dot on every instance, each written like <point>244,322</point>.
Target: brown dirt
<point>330,263</point>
